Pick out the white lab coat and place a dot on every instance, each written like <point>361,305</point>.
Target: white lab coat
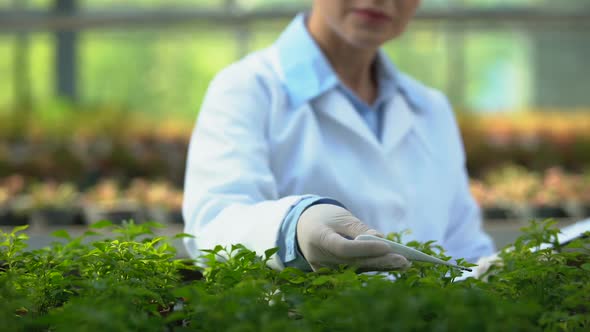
<point>252,157</point>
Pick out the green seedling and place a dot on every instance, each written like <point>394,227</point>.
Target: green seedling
<point>128,278</point>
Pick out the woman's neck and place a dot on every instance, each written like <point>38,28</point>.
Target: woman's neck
<point>353,65</point>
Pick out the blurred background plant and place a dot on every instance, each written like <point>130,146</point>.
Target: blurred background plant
<point>514,191</point>
<point>54,203</point>
<point>53,195</point>
<point>105,107</point>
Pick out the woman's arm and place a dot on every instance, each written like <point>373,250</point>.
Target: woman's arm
<point>230,194</point>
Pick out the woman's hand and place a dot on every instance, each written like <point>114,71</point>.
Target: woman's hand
<point>325,233</point>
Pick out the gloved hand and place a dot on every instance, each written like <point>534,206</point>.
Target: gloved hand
<point>321,233</point>
<point>484,264</point>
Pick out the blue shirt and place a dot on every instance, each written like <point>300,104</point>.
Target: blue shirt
<point>310,56</point>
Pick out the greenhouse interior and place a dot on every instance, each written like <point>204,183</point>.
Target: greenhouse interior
<point>102,208</point>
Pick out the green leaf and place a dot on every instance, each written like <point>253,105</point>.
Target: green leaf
<point>175,317</point>
<point>102,246</point>
<point>320,280</point>
<point>22,237</point>
<point>62,234</point>
<point>183,235</point>
<point>586,266</point>
<point>296,279</point>
<point>269,252</point>
<point>185,292</point>
<point>166,248</point>
<point>91,233</point>
<point>153,224</point>
<point>290,271</point>
<point>102,224</point>
<point>154,241</point>
<point>19,229</point>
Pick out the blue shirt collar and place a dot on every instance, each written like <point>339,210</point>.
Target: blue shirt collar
<point>308,74</point>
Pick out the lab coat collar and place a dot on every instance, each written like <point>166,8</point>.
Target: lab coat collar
<point>414,93</point>
<point>307,73</point>
<point>399,119</point>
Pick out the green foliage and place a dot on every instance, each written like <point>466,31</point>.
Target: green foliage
<point>553,277</point>
<point>124,278</point>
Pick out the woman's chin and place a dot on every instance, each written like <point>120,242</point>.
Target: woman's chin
<point>370,39</point>
<point>367,42</point>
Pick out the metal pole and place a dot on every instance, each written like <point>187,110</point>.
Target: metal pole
<point>37,20</point>
<point>456,65</point>
<point>243,38</point>
<point>241,30</point>
<point>66,54</point>
<point>457,61</point>
<point>22,75</point>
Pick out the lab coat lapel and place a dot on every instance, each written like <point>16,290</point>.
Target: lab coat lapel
<point>398,120</point>
<point>336,107</point>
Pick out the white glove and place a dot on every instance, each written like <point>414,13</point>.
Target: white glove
<point>321,232</point>
<point>484,264</point>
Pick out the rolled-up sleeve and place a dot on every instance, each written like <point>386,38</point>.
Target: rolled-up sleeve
<point>288,249</point>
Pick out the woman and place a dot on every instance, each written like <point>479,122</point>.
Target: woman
<point>319,138</point>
